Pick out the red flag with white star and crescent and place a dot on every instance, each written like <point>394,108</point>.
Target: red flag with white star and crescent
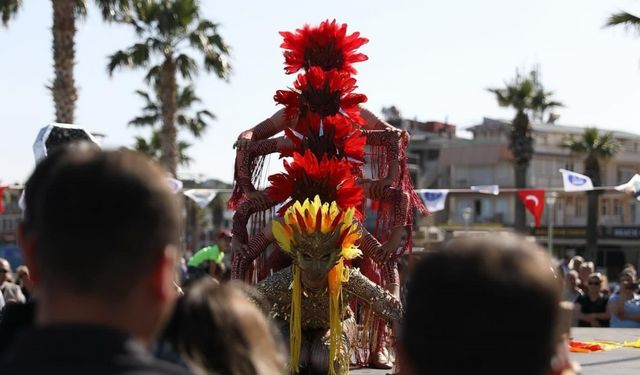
<point>533,199</point>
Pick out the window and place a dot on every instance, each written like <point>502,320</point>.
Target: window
<point>604,207</point>
<point>477,207</point>
<point>617,207</point>
<point>569,165</point>
<point>579,207</point>
<point>433,154</point>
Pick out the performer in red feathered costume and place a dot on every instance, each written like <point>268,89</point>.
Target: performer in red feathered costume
<point>325,132</point>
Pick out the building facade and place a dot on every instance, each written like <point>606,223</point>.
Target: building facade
<point>487,160</point>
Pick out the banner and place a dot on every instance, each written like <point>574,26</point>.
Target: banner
<point>573,181</point>
<point>632,187</point>
<point>533,200</point>
<point>486,189</point>
<point>202,197</point>
<point>434,199</point>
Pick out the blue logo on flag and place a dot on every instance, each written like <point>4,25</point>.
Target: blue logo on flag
<point>432,196</point>
<point>576,181</point>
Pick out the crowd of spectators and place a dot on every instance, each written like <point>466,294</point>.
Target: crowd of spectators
<point>101,291</point>
<point>596,303</point>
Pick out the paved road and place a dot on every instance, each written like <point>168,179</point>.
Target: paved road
<point>621,361</point>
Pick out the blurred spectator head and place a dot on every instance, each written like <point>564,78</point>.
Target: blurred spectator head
<point>627,275</point>
<point>103,228</point>
<point>586,269</point>
<point>5,270</point>
<point>39,176</point>
<point>219,330</point>
<point>575,262</point>
<point>494,301</point>
<point>595,282</point>
<point>22,275</point>
<point>571,280</point>
<point>223,240</point>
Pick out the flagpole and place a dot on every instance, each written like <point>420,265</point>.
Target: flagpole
<point>551,201</point>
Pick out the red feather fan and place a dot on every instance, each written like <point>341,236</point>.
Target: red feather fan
<point>326,46</point>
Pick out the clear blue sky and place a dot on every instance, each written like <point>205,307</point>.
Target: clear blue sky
<point>432,59</point>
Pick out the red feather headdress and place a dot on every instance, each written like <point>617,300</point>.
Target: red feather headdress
<point>327,94</point>
<point>327,46</point>
<point>306,176</point>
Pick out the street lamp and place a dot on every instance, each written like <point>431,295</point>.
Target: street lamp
<point>466,216</point>
<point>551,202</point>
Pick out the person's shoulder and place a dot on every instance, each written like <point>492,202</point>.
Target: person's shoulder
<point>156,366</point>
<point>131,368</point>
<point>581,298</point>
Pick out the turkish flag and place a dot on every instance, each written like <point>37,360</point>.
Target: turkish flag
<point>533,199</point>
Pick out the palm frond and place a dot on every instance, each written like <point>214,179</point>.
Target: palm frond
<point>205,38</point>
<point>80,9</point>
<point>186,98</point>
<point>146,120</point>
<point>629,20</point>
<point>593,145</point>
<point>116,10</point>
<point>135,56</point>
<point>186,66</point>
<point>9,9</point>
<point>153,75</point>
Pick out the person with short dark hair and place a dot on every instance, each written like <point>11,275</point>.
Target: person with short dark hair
<point>591,308</point>
<point>210,259</point>
<point>100,239</point>
<point>481,306</point>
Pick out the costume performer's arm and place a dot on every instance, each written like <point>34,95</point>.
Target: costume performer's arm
<point>243,258</point>
<point>390,140</point>
<point>244,159</point>
<point>380,253</point>
<point>244,171</point>
<point>246,253</point>
<point>266,129</point>
<point>373,122</point>
<point>276,290</point>
<point>382,302</point>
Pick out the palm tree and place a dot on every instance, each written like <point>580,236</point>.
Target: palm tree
<point>168,30</point>
<point>595,147</point>
<point>151,148</point>
<point>526,95</point>
<point>65,14</point>
<point>152,116</point>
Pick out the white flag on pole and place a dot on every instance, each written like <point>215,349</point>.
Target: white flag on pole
<point>573,181</point>
<point>632,187</point>
<point>202,197</point>
<point>486,189</point>
<point>434,199</point>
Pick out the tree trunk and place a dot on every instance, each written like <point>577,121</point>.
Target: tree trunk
<point>63,88</point>
<point>168,133</point>
<point>521,146</point>
<point>592,170</point>
<point>520,222</point>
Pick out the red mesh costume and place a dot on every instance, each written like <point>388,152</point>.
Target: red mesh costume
<point>325,132</point>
